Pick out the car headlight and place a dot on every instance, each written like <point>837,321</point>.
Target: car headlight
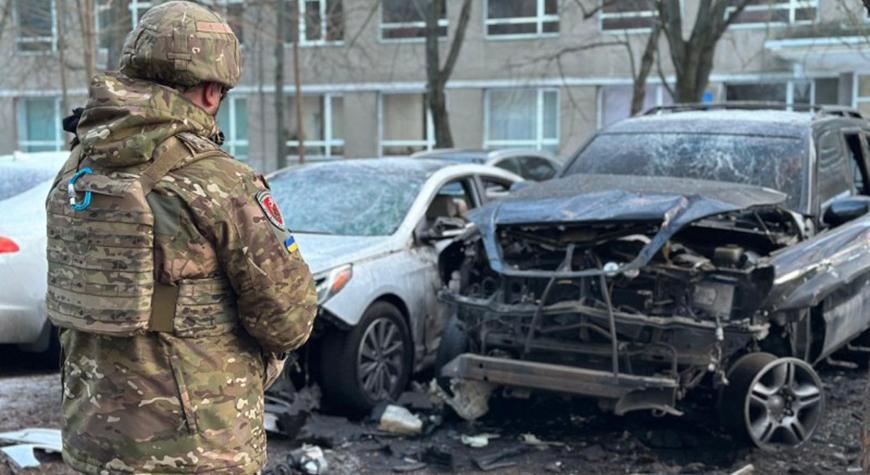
<point>333,282</point>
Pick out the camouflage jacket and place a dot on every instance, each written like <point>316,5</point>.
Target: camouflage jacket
<point>189,400</point>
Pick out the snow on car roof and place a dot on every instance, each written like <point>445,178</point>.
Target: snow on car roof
<point>737,122</point>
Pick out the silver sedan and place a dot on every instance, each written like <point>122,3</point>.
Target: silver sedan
<point>371,231</point>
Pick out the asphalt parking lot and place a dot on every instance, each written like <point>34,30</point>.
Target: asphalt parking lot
<point>541,435</point>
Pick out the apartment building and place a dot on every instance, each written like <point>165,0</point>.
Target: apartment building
<point>542,74</point>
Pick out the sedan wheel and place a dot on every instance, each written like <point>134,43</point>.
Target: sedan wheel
<point>380,359</point>
<point>774,402</point>
<point>368,364</point>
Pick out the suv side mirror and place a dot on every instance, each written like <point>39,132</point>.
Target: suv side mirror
<point>846,209</point>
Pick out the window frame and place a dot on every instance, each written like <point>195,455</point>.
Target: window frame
<point>602,16</point>
<point>442,23</point>
<point>539,142</point>
<point>59,143</point>
<point>231,139</point>
<point>789,89</point>
<point>324,23</point>
<point>540,18</point>
<point>427,142</point>
<point>329,140</point>
<point>51,41</point>
<point>138,7</point>
<point>790,5</point>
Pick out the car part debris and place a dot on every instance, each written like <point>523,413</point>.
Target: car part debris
<point>496,461</point>
<point>533,440</point>
<point>22,456</point>
<point>477,441</point>
<point>746,470</point>
<point>26,441</point>
<point>470,399</point>
<point>330,431</point>
<point>309,459</point>
<point>50,439</point>
<point>398,420</point>
<point>288,409</point>
<point>439,457</point>
<point>409,467</point>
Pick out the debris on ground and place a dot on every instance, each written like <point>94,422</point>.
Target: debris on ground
<point>477,441</point>
<point>398,420</point>
<point>309,459</point>
<point>470,399</point>
<point>419,400</point>
<point>747,470</point>
<point>287,410</point>
<point>330,431</point>
<point>440,457</point>
<point>26,441</point>
<point>495,461</point>
<point>532,439</point>
<point>409,467</point>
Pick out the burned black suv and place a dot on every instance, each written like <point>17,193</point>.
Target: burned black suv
<point>718,247</point>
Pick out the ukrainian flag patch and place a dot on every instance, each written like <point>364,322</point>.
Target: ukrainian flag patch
<point>291,245</point>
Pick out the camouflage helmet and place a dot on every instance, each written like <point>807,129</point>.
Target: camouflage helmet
<point>182,44</point>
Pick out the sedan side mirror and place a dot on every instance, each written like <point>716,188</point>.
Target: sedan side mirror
<point>846,209</point>
<point>443,228</point>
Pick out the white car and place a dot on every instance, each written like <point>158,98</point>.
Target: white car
<point>24,183</point>
<point>531,164</point>
<point>371,231</point>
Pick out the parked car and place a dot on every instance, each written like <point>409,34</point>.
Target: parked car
<point>533,165</point>
<point>714,247</point>
<point>371,231</point>
<point>24,184</point>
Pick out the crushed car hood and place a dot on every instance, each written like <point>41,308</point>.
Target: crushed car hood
<point>323,252</point>
<point>675,202</point>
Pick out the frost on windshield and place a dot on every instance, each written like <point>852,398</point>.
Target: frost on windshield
<point>16,180</point>
<point>364,198</point>
<point>773,162</point>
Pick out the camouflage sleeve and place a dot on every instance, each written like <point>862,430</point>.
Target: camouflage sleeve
<point>276,295</point>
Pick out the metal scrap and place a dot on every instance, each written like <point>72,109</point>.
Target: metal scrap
<point>27,440</point>
<point>470,399</point>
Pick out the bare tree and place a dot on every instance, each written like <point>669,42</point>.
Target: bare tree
<point>60,28</point>
<point>693,57</point>
<point>87,23</point>
<point>436,75</point>
<point>641,75</point>
<point>280,129</point>
<point>297,81</point>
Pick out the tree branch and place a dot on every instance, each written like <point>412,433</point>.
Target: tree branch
<point>458,39</point>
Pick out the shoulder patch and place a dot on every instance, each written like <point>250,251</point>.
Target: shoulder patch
<point>270,208</point>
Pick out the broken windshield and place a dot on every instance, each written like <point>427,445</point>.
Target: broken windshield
<point>349,199</point>
<point>770,161</point>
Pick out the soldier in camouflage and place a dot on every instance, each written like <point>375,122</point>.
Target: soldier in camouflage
<point>174,315</point>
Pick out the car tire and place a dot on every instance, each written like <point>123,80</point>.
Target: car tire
<point>454,342</point>
<point>355,375</point>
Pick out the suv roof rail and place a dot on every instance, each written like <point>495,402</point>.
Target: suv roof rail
<point>819,110</point>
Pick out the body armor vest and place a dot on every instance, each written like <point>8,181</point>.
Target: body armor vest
<point>101,265</point>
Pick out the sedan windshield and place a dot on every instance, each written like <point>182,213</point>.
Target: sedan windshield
<point>350,199</point>
<point>769,161</point>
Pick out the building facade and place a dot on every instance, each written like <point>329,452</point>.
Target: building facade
<point>542,74</point>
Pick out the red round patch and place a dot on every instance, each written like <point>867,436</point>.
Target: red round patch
<point>270,208</point>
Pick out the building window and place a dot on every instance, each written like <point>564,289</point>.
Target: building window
<point>401,20</point>
<point>799,92</point>
<point>522,18</point>
<point>138,8</point>
<point>320,22</point>
<point>39,125</point>
<point>233,121</point>
<point>527,118</point>
<point>35,20</point>
<point>628,15</point>
<point>784,12</point>
<point>861,100</point>
<point>406,124</point>
<point>615,102</point>
<point>323,119</point>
